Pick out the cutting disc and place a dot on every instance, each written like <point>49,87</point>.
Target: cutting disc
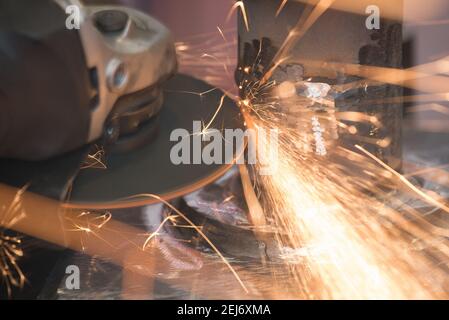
<point>130,176</point>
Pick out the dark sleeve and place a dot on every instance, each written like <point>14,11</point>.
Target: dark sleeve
<point>45,88</point>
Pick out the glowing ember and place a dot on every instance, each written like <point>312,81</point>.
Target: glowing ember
<point>10,250</point>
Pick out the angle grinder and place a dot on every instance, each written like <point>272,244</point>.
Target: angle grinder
<point>76,76</point>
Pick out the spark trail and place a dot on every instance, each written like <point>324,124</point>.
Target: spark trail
<point>344,226</point>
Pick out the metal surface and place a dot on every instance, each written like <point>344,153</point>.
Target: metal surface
<point>221,211</point>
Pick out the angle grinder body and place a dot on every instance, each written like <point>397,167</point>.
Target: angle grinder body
<point>111,82</point>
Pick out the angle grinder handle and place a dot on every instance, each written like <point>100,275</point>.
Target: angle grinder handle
<point>46,88</point>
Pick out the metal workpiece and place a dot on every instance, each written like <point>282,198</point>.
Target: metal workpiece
<point>220,211</point>
<point>338,50</point>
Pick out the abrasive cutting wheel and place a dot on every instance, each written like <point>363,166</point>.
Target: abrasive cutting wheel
<point>149,169</point>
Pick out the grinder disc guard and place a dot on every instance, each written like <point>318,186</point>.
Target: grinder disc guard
<point>149,169</point>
